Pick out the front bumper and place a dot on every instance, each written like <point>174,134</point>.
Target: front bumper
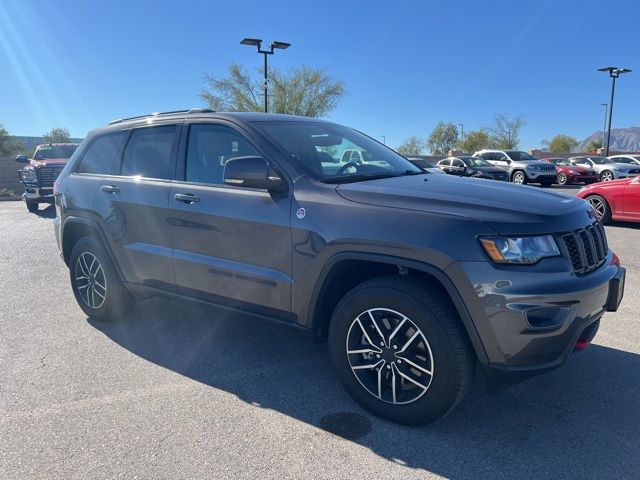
<point>546,177</point>
<point>41,194</point>
<point>573,179</point>
<point>529,318</point>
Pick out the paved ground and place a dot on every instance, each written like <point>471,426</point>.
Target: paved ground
<point>184,392</point>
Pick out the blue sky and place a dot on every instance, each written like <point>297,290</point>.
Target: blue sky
<point>406,64</point>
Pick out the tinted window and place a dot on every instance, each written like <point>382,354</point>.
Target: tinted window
<point>520,156</point>
<point>458,163</point>
<point>100,157</point>
<point>149,153</point>
<point>488,156</point>
<point>54,151</point>
<point>209,148</point>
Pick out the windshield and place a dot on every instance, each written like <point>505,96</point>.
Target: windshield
<point>475,162</point>
<point>333,153</point>
<point>600,160</point>
<point>560,161</point>
<point>55,151</point>
<point>517,155</point>
<point>624,160</point>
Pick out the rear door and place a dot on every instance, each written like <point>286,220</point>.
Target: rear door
<point>232,245</point>
<point>133,205</point>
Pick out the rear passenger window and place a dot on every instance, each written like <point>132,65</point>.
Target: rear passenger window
<point>209,148</point>
<point>149,153</point>
<point>100,157</point>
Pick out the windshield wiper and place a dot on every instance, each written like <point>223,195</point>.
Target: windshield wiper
<point>357,178</point>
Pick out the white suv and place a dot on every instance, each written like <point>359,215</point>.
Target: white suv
<point>521,166</point>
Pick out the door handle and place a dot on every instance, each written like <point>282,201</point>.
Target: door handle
<point>186,198</point>
<point>109,189</point>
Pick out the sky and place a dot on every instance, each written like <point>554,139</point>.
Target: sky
<point>406,64</point>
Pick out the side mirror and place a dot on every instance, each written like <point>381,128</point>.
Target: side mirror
<point>22,159</point>
<point>508,161</point>
<point>251,172</point>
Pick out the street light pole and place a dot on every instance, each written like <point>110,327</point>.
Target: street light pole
<point>257,42</point>
<point>614,72</point>
<point>604,127</point>
<point>461,131</point>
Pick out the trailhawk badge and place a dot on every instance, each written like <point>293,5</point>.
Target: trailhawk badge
<point>301,213</point>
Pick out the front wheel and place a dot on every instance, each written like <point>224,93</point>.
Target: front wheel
<point>601,207</point>
<point>95,282</point>
<point>562,178</point>
<point>399,350</point>
<point>519,177</point>
<point>606,176</point>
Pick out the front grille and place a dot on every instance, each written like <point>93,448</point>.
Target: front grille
<point>547,168</point>
<point>586,248</point>
<point>48,174</point>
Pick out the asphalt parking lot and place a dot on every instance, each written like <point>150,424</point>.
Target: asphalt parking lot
<point>178,391</point>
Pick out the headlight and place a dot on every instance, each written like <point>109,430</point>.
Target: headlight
<point>571,172</point>
<point>519,250</point>
<point>29,175</point>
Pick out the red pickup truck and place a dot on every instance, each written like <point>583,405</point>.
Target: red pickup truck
<point>42,170</point>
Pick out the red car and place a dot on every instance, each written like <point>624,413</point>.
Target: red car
<point>569,173</point>
<point>614,200</point>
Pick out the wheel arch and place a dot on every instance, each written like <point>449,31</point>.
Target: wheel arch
<point>349,269</point>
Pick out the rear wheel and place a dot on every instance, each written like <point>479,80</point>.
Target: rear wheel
<point>606,176</point>
<point>601,207</point>
<point>95,282</point>
<point>32,205</point>
<point>519,177</point>
<point>399,350</point>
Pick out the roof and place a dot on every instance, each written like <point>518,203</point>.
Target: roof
<point>205,112</point>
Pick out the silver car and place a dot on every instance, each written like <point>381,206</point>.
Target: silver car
<point>608,168</point>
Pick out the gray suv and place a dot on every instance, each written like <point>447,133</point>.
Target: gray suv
<point>416,280</point>
<point>521,167</point>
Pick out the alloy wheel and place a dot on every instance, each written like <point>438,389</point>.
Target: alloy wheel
<point>562,178</point>
<point>91,281</point>
<point>598,206</point>
<point>390,356</point>
<point>518,177</point>
<point>607,176</point>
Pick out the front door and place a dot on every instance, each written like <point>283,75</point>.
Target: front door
<point>230,243</point>
<point>631,198</point>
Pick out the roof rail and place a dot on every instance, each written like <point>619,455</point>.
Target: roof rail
<point>158,114</point>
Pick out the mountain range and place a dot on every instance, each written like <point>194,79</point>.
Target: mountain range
<point>622,140</point>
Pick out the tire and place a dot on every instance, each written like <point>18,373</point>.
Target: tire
<point>95,282</point>
<point>562,178</point>
<point>440,346</point>
<point>32,206</point>
<point>606,176</point>
<point>546,184</point>
<point>601,207</point>
<point>519,177</point>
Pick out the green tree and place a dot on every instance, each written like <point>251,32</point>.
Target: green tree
<point>412,146</point>
<point>593,146</point>
<point>57,135</point>
<point>306,91</point>
<point>9,145</point>
<point>475,140</point>
<point>506,131</point>
<point>561,143</point>
<point>443,138</point>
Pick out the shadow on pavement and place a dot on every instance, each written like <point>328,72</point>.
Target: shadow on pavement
<point>48,212</point>
<point>579,421</point>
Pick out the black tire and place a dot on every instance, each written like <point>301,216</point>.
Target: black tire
<point>116,299</point>
<point>601,207</point>
<point>562,178</point>
<point>32,206</point>
<point>519,177</point>
<point>607,176</point>
<point>452,359</point>
<point>546,184</point>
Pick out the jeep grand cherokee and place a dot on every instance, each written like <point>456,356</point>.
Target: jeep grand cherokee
<point>414,278</point>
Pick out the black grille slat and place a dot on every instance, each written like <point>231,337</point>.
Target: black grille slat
<point>586,248</point>
<point>48,175</point>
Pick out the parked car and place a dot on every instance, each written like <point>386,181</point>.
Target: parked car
<point>614,200</point>
<point>629,159</point>
<point>413,278</point>
<point>41,171</point>
<point>606,168</point>
<point>521,167</point>
<point>423,163</point>
<point>568,173</point>
<point>467,166</point>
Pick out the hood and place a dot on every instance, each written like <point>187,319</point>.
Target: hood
<point>576,168</point>
<point>531,163</point>
<point>508,208</point>
<point>48,161</point>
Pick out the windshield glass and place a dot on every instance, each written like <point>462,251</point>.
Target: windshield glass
<point>624,160</point>
<point>332,152</point>
<point>520,156</point>
<point>560,161</point>
<point>600,160</point>
<point>475,162</point>
<point>55,151</point>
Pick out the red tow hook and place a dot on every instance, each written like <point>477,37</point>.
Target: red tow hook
<point>582,343</point>
<point>615,260</point>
